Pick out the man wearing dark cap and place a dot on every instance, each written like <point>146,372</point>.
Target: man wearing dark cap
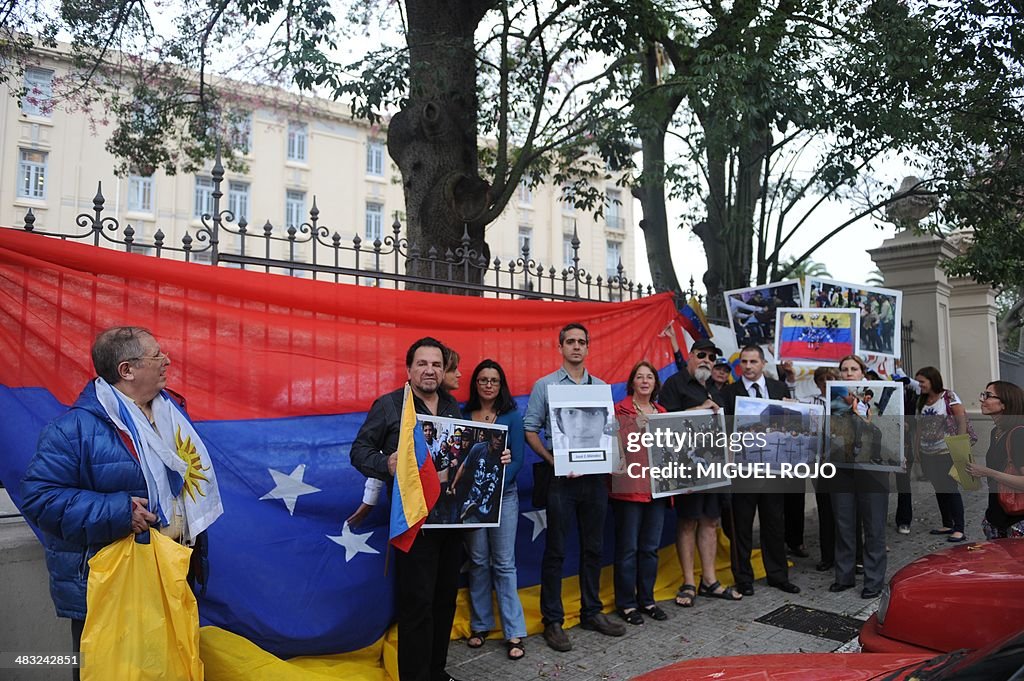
<point>692,388</point>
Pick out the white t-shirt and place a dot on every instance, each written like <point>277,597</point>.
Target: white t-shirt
<point>933,428</point>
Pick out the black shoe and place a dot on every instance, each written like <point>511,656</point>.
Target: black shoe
<point>603,625</point>
<point>745,588</point>
<point>824,566</point>
<point>869,593</point>
<point>556,638</point>
<point>447,677</point>
<point>631,617</point>
<point>938,532</point>
<point>655,613</point>
<point>798,551</point>
<point>859,568</point>
<point>788,587</point>
<point>837,587</point>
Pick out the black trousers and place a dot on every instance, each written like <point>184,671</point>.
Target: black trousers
<point>826,528</point>
<point>794,515</point>
<point>427,580</point>
<point>769,510</point>
<point>76,645</point>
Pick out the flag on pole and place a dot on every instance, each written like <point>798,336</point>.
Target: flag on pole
<point>694,321</point>
<point>416,486</point>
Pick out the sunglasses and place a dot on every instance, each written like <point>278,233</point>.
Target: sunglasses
<point>706,355</point>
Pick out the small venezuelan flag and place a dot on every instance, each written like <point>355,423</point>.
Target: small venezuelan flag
<point>416,487</point>
<point>693,320</point>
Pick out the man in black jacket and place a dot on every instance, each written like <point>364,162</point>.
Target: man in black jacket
<point>750,497</point>
<point>426,578</point>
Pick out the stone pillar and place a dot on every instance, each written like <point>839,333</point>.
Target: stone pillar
<point>975,339</point>
<point>911,264</point>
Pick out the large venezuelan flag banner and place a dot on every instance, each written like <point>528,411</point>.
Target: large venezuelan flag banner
<point>278,373</point>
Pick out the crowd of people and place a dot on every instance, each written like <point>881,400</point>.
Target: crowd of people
<point>87,471</point>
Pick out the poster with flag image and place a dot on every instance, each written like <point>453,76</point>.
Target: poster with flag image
<point>752,310</point>
<point>815,337</point>
<point>467,456</point>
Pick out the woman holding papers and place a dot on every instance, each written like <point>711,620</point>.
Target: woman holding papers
<point>1004,402</point>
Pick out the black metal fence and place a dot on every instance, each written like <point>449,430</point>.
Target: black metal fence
<point>313,248</point>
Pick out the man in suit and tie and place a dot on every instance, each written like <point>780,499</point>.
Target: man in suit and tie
<point>749,496</point>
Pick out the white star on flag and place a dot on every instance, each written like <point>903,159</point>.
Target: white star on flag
<point>540,522</point>
<point>289,487</point>
<point>354,543</point>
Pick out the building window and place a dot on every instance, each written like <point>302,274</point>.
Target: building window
<point>374,221</point>
<point>525,239</point>
<point>140,194</point>
<point>38,99</point>
<point>297,138</point>
<point>241,133</point>
<point>294,208</point>
<point>568,199</point>
<point>32,174</point>
<point>204,197</point>
<point>614,257</point>
<point>525,193</point>
<point>567,251</point>
<point>375,158</point>
<point>238,200</point>
<point>613,209</point>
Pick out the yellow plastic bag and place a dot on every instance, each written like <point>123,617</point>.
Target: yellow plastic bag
<point>142,621</point>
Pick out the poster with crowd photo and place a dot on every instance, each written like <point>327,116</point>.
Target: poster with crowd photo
<point>881,311</point>
<point>864,425</point>
<point>781,431</point>
<point>752,310</point>
<point>816,337</point>
<point>582,429</point>
<point>467,456</point>
<point>682,441</point>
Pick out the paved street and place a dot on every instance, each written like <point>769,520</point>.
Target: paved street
<point>713,627</point>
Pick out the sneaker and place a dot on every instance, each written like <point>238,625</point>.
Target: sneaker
<point>603,625</point>
<point>557,639</point>
<point>903,529</point>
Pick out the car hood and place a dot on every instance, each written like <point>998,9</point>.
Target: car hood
<point>964,597</point>
<point>788,667</point>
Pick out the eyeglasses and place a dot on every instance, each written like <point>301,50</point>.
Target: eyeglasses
<point>706,355</point>
<point>989,396</point>
<point>160,357</point>
<point>488,381</point>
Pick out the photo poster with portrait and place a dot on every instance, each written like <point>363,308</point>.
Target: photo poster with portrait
<point>881,312</point>
<point>583,429</point>
<point>698,437</point>
<point>812,336</point>
<point>864,425</point>
<point>790,432</point>
<point>752,310</point>
<point>467,456</point>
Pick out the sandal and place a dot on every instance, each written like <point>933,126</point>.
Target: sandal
<point>476,639</point>
<point>513,646</point>
<point>655,613</point>
<point>685,596</point>
<point>631,617</point>
<point>711,590</point>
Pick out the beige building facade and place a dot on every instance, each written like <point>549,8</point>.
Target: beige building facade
<point>298,149</point>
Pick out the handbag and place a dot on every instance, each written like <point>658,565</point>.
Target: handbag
<point>543,472</point>
<point>1010,499</point>
<point>951,425</point>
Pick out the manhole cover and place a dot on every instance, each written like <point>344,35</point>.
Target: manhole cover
<point>814,622</point>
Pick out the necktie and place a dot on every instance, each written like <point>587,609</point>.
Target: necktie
<point>757,389</point>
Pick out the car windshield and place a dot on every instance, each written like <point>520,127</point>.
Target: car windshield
<point>1003,661</point>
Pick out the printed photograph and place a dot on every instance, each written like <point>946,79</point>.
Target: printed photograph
<point>816,337</point>
<point>701,434</point>
<point>881,311</point>
<point>752,310</point>
<point>784,432</point>
<point>583,429</point>
<point>864,427</point>
<point>467,456</point>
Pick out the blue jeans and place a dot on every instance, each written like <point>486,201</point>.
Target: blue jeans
<point>584,499</point>
<point>492,556</point>
<point>638,528</point>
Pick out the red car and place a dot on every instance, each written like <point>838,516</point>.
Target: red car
<point>1001,661</point>
<point>964,597</point>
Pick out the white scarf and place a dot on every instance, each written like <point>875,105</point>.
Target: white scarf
<point>178,470</point>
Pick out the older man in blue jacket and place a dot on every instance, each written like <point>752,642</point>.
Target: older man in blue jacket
<point>103,470</point>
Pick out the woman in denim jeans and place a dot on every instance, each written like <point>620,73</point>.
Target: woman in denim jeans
<point>492,554</point>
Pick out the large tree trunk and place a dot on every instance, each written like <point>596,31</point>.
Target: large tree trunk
<point>433,138</point>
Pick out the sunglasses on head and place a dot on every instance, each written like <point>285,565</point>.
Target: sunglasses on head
<point>702,354</point>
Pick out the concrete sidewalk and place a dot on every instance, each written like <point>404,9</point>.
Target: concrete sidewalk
<point>714,627</point>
